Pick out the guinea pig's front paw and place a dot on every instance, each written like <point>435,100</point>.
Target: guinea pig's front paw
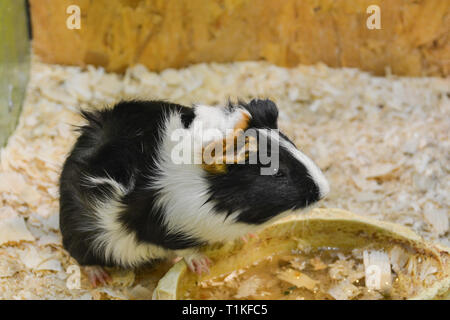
<point>198,263</point>
<point>97,275</point>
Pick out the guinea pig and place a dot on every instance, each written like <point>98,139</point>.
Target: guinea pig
<point>127,200</point>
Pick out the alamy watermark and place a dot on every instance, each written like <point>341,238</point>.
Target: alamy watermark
<point>74,19</point>
<point>215,147</point>
<point>74,279</point>
<point>374,20</point>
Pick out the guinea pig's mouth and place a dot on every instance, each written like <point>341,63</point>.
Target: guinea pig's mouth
<point>295,210</point>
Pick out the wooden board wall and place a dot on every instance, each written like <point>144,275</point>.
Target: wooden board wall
<point>414,39</point>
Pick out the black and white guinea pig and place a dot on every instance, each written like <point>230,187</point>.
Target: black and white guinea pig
<point>125,202</point>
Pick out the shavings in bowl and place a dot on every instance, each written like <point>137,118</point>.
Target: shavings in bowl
<point>248,287</point>
<point>344,290</point>
<point>363,273</point>
<point>317,263</point>
<point>297,278</point>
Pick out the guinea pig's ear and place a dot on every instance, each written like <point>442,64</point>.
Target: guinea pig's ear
<point>264,113</point>
<point>234,148</point>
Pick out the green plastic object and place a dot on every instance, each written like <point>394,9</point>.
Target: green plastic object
<point>14,63</point>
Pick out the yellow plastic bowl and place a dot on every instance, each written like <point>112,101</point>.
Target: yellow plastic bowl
<point>319,228</point>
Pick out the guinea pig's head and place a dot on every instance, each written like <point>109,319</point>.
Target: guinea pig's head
<point>271,176</point>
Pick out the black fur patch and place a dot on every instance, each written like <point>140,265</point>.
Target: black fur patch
<point>120,144</point>
<point>187,116</point>
<point>264,113</point>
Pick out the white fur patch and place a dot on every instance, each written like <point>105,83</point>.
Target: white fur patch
<point>113,241</point>
<point>210,121</point>
<point>314,171</point>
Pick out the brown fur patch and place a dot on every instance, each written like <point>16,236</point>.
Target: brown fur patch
<point>216,164</point>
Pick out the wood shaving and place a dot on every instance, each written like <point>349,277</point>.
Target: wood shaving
<point>8,267</point>
<point>398,258</point>
<point>248,287</point>
<point>437,218</point>
<point>341,269</point>
<point>52,265</point>
<point>344,290</point>
<point>298,264</point>
<point>317,263</point>
<point>14,229</point>
<point>298,279</point>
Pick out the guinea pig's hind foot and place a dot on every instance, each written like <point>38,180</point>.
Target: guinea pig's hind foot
<point>97,275</point>
<point>248,236</point>
<point>198,262</point>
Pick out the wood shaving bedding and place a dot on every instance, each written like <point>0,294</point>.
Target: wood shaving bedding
<point>363,273</point>
<point>382,143</point>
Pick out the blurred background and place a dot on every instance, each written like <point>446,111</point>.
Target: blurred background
<point>409,38</point>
